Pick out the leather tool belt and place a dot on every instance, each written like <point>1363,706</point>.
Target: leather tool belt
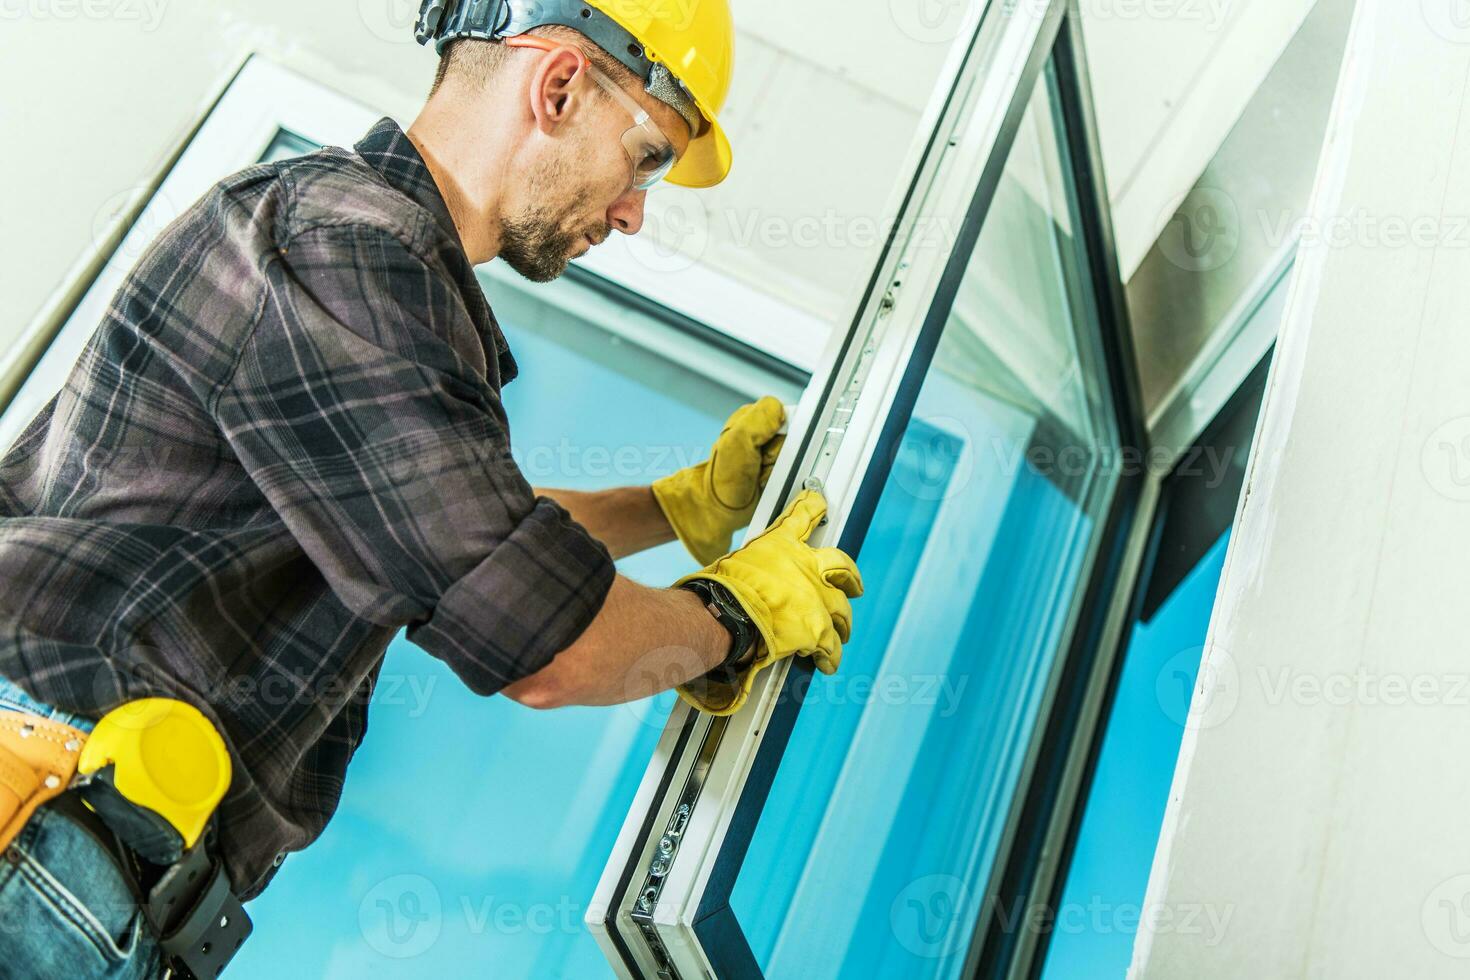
<point>176,878</point>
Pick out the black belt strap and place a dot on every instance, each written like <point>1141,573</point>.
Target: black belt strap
<point>198,921</point>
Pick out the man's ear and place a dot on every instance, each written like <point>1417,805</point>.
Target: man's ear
<point>556,88</point>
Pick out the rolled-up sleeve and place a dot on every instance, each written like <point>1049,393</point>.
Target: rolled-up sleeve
<point>360,408</point>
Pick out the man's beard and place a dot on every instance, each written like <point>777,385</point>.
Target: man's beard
<point>536,242</point>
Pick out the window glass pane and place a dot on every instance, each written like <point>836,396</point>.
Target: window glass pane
<point>286,144</point>
<point>874,848</point>
<point>1123,810</point>
<point>472,831</point>
<point>1103,897</point>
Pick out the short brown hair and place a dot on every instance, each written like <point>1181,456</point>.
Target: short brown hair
<point>478,61</point>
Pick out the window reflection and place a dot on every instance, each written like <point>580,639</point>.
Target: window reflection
<point>874,848</point>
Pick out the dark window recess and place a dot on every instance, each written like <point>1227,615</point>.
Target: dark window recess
<point>1199,497</point>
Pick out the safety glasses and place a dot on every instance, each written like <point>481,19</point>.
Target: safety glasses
<point>649,150</point>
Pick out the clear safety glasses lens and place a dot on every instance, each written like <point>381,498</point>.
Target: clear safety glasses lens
<point>649,150</point>
<point>651,154</point>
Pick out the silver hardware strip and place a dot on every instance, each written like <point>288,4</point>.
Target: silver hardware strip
<point>662,858</point>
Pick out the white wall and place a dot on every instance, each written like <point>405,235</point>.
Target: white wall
<point>1317,822</point>
<point>97,93</point>
<point>1171,78</point>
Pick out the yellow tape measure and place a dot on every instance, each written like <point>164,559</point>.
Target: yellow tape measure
<point>166,757</point>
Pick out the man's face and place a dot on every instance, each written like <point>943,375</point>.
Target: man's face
<point>578,189</point>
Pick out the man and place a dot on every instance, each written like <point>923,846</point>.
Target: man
<point>285,442</point>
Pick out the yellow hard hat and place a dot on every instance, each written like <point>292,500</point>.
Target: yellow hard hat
<point>682,50</point>
<point>695,39</point>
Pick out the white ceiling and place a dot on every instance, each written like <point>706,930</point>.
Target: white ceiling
<point>828,96</point>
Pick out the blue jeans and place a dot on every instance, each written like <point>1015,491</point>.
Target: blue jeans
<point>65,910</point>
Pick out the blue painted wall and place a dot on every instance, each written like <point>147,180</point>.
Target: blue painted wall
<point>1104,893</point>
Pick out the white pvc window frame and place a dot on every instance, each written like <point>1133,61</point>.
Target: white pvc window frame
<point>647,907</point>
<point>263,99</point>
<point>964,132</point>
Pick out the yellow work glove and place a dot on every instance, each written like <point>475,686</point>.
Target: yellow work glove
<point>708,503</point>
<point>796,595</point>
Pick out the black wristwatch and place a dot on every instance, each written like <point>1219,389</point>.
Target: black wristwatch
<point>730,614</point>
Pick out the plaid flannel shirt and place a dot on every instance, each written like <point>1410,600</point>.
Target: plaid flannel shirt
<point>284,442</point>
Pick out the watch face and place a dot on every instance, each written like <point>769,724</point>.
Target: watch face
<point>728,603</point>
<point>738,612</point>
<point>730,614</point>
